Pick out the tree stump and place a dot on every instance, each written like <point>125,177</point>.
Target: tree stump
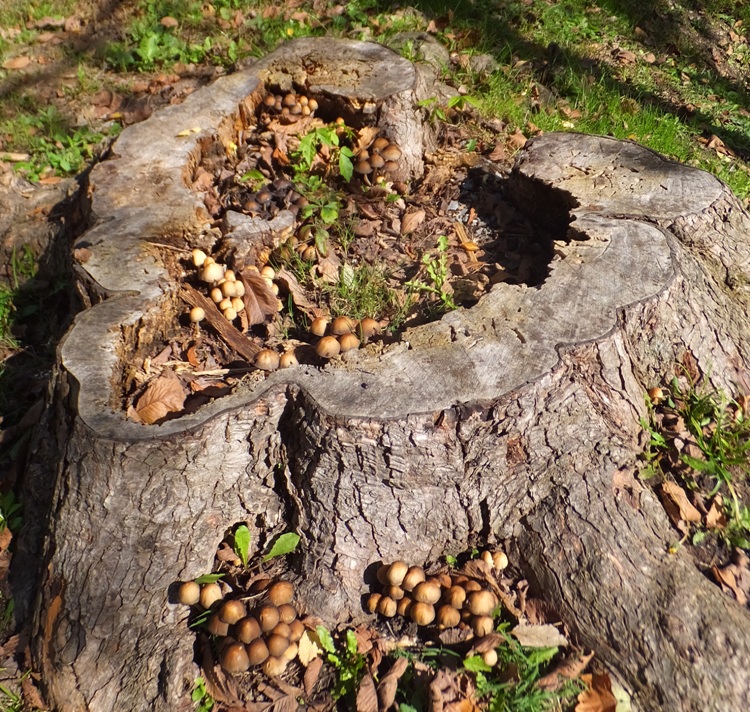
<point>516,420</point>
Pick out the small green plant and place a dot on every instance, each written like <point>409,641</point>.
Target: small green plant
<point>10,512</point>
<point>283,545</point>
<point>325,136</point>
<point>349,663</point>
<point>202,700</point>
<point>436,269</point>
<point>361,291</point>
<point>242,543</point>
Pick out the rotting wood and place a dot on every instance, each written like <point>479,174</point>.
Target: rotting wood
<point>516,420</point>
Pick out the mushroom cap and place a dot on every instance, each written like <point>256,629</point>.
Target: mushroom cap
<point>287,613</point>
<point>427,592</point>
<point>198,257</point>
<point>234,658</point>
<point>481,603</point>
<point>247,630</point>
<point>277,645</point>
<point>413,576</point>
<point>391,152</point>
<point>216,626</point>
<point>268,617</point>
<point>348,342</point>
<point>288,359</point>
<point>404,606</point>
<point>362,167</point>
<point>448,616</point>
<point>273,667</point>
<point>197,314</point>
<point>482,625</point>
<point>289,100</point>
<point>396,572</point>
<point>232,611</point>
<point>281,592</point>
<point>422,613</point>
<point>387,607</point>
<point>371,604</point>
<point>455,596</point>
<point>328,347</point>
<point>367,328</point>
<point>230,314</point>
<point>377,161</point>
<point>298,629</point>
<point>390,166</point>
<point>212,272</point>
<point>380,143</point>
<point>210,593</point>
<point>343,325</point>
<point>267,360</point>
<point>257,651</point>
<point>189,593</point>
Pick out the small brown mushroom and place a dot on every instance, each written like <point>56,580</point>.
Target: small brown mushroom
<point>328,347</point>
<point>267,360</point>
<point>448,617</point>
<point>297,629</point>
<point>210,593</point>
<point>289,100</point>
<point>394,592</point>
<point>342,325</point>
<point>422,613</point>
<point>319,326</point>
<point>455,596</point>
<point>427,592</point>
<point>234,658</point>
<point>396,573</point>
<point>414,576</point>
<point>482,625</point>
<point>232,611</point>
<point>367,328</point>
<point>386,607</point>
<point>273,667</point>
<point>363,168</point>
<point>277,645</point>
<point>189,593</point>
<point>380,143</point>
<point>212,272</point>
<point>257,651</point>
<point>348,342</point>
<point>247,630</point>
<point>404,606</point>
<point>377,161</point>
<point>216,626</point>
<point>490,657</point>
<point>288,359</point>
<point>283,629</point>
<point>268,617</point>
<point>371,604</point>
<point>287,613</point>
<point>481,603</point>
<point>199,257</point>
<point>281,592</point>
<point>391,152</point>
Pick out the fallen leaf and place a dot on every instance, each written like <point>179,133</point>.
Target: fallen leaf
<point>567,669</point>
<point>388,684</point>
<point>367,696</point>
<point>221,686</point>
<point>411,221</point>
<point>716,518</point>
<point>598,697</point>
<point>308,648</point>
<point>260,302</point>
<point>13,157</point>
<point>163,395</point>
<point>539,636</point>
<point>312,674</point>
<point>299,296</point>
<point>517,139</point>
<point>16,62</point>
<point>728,581</point>
<point>677,505</point>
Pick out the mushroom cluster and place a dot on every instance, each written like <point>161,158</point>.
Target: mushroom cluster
<point>341,334</point>
<point>280,194</point>
<point>381,159</point>
<point>266,634</point>
<point>290,106</point>
<point>446,600</point>
<point>226,291</point>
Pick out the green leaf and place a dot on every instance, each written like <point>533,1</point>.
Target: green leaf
<point>242,543</point>
<point>254,175</point>
<point>325,638</point>
<point>351,642</point>
<point>209,578</point>
<point>329,213</point>
<point>476,664</point>
<point>698,537</point>
<point>284,545</point>
<point>321,242</point>
<point>346,167</point>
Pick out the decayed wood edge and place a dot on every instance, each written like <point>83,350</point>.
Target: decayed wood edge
<point>234,339</point>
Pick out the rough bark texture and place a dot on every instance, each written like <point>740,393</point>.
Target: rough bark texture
<point>515,420</point>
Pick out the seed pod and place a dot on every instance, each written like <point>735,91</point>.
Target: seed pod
<point>287,613</point>
<point>328,347</point>
<point>422,613</point>
<point>371,604</point>
<point>387,607</point>
<point>414,576</point>
<point>280,593</point>
<point>267,360</point>
<point>348,342</point>
<point>257,651</point>
<point>232,611</point>
<point>210,593</point>
<point>482,625</point>
<point>247,630</point>
<point>189,593</point>
<point>268,617</point>
<point>273,667</point>
<point>455,596</point>
<point>427,592</point>
<point>319,326</point>
<point>277,645</point>
<point>448,617</point>
<point>481,603</point>
<point>234,658</point>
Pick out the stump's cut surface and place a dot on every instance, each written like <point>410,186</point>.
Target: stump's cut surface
<point>514,420</point>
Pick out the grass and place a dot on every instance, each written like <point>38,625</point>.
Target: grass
<point>717,464</point>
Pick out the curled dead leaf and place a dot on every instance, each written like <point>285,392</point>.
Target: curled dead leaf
<point>598,696</point>
<point>539,636</point>
<point>367,696</point>
<point>568,669</point>
<point>163,395</point>
<point>260,302</point>
<point>389,683</point>
<point>677,504</point>
<point>412,220</point>
<point>17,62</point>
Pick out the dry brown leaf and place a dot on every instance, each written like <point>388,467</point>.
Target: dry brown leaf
<point>716,518</point>
<point>260,302</point>
<point>6,536</point>
<point>517,139</point>
<point>312,674</point>
<point>163,395</point>
<point>498,153</point>
<point>677,505</point>
<point>598,697</point>
<point>411,221</point>
<point>728,582</point>
<point>221,686</point>
<point>389,683</point>
<point>308,648</point>
<point>367,696</point>
<point>567,669</point>
<point>299,296</point>
<point>17,62</point>
<point>486,643</point>
<point>365,136</point>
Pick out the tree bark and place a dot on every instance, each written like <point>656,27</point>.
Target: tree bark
<point>514,421</point>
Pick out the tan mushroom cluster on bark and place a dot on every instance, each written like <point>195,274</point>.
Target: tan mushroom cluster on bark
<point>341,334</point>
<point>447,600</point>
<point>262,629</point>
